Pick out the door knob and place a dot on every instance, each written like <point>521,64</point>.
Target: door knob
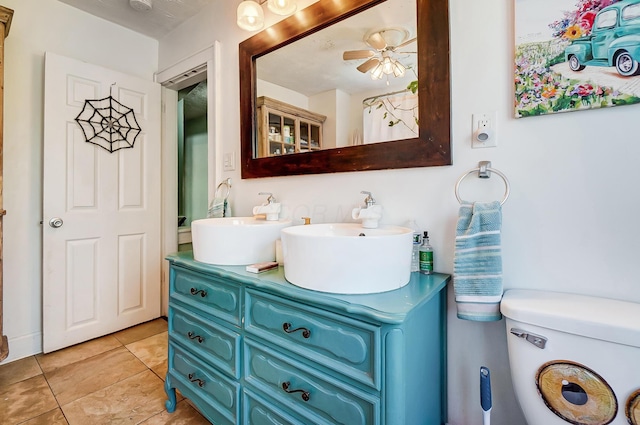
<point>56,222</point>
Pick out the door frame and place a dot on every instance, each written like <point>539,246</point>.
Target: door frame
<point>173,79</point>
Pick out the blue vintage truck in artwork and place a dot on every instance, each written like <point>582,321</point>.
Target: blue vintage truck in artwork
<point>614,40</point>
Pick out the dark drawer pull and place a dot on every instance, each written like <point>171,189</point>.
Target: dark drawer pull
<point>192,378</point>
<point>305,394</point>
<point>202,292</point>
<point>287,328</point>
<point>198,338</point>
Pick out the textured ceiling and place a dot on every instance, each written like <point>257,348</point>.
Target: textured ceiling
<point>164,16</point>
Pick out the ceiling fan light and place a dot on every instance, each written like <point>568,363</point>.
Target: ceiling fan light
<point>282,7</point>
<point>398,69</point>
<point>387,65</point>
<point>250,16</point>
<point>377,72</point>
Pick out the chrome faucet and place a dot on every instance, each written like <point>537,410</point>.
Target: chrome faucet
<point>270,209</point>
<point>270,199</point>
<point>370,214</point>
<point>369,201</point>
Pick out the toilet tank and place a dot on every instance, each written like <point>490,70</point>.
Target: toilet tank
<point>573,358</point>
<point>599,318</point>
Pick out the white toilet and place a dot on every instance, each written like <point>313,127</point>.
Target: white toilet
<point>574,359</point>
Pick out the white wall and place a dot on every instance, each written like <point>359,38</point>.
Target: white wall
<point>568,225</point>
<point>283,94</point>
<point>326,103</point>
<point>334,104</point>
<point>39,26</point>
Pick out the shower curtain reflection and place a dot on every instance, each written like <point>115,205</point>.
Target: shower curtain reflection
<point>393,116</point>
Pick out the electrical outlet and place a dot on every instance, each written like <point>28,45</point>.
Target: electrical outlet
<point>483,132</point>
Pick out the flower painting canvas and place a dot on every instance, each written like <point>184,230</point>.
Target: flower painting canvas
<point>576,54</point>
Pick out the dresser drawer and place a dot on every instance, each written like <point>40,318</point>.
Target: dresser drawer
<point>220,394</point>
<point>213,343</point>
<point>257,411</point>
<point>319,399</point>
<point>207,293</point>
<point>345,345</point>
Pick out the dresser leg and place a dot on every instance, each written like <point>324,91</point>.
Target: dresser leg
<point>171,393</point>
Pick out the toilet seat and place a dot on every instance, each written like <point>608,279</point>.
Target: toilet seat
<point>633,408</point>
<point>577,394</point>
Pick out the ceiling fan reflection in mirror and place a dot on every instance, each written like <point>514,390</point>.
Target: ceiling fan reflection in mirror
<point>381,61</point>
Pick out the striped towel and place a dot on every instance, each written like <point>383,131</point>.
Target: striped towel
<point>477,265</point>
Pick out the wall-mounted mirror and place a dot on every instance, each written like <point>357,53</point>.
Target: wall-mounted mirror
<point>309,103</point>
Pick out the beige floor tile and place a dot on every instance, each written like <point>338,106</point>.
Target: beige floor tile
<point>19,370</point>
<point>130,401</point>
<point>25,400</point>
<point>184,415</point>
<point>151,351</point>
<point>76,380</point>
<point>53,417</point>
<point>50,362</point>
<point>142,331</point>
<point>161,370</point>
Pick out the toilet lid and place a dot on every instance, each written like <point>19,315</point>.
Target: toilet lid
<point>633,408</point>
<point>576,393</point>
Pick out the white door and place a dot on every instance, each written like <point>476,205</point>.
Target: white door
<point>102,265</point>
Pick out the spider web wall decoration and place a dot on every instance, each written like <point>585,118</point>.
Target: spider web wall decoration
<point>108,124</point>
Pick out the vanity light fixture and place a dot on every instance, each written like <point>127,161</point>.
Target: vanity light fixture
<point>282,7</point>
<point>250,15</point>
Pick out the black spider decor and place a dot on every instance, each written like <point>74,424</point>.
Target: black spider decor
<point>108,124</point>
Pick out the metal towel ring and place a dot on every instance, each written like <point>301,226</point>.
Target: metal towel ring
<point>484,172</point>
<point>227,184</point>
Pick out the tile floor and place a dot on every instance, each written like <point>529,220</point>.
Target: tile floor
<point>116,379</point>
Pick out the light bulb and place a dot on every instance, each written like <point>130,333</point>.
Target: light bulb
<point>250,16</point>
<point>377,73</point>
<point>282,7</point>
<point>398,69</point>
<point>387,65</point>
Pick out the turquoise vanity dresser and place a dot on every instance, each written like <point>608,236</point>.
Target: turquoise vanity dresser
<point>254,349</point>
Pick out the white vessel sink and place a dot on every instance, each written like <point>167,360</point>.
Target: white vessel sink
<point>345,258</point>
<point>232,241</point>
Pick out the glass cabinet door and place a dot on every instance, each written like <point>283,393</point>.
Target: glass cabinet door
<point>309,136</point>
<point>282,134</point>
<point>276,146</point>
<point>289,135</point>
<point>315,137</point>
<point>304,136</point>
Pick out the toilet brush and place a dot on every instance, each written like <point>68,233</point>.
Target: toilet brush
<point>485,395</point>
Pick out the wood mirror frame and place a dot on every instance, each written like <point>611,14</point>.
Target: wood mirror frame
<point>431,148</point>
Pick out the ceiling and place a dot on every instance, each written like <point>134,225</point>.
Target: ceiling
<point>164,16</point>
<point>317,64</point>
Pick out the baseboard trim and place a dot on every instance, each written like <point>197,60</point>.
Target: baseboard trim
<point>24,346</point>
